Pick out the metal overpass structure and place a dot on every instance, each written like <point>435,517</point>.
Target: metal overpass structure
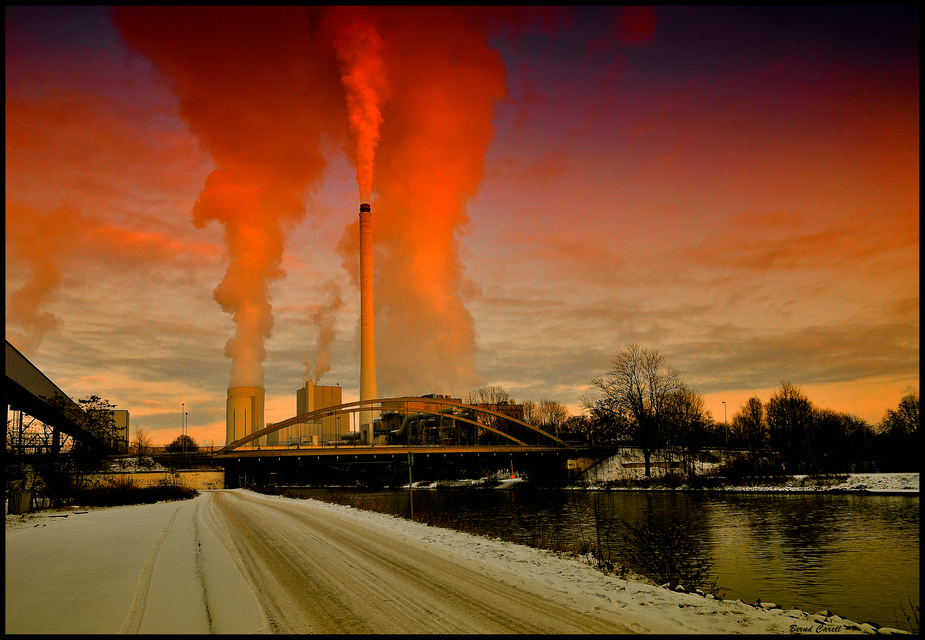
<point>31,392</point>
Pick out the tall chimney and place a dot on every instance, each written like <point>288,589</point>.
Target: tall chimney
<point>367,341</point>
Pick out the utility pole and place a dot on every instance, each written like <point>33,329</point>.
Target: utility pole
<point>410,486</point>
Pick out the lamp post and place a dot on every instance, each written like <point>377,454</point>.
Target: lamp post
<point>725,424</point>
<point>182,411</point>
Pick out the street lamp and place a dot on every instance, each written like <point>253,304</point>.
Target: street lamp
<point>725,424</point>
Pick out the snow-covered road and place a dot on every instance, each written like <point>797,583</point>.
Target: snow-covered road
<point>240,562</point>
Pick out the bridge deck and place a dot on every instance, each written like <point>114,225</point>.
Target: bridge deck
<point>29,390</point>
<point>393,451</point>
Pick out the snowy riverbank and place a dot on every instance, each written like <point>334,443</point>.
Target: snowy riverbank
<point>885,483</point>
<point>609,477</point>
<point>86,595</point>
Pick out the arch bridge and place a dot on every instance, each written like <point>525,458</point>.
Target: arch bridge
<point>453,425</point>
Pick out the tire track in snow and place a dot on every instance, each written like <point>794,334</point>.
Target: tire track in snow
<point>200,570</point>
<point>214,526</point>
<point>136,611</point>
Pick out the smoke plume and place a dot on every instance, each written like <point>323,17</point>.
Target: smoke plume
<point>323,318</point>
<point>259,86</point>
<point>358,44</point>
<point>39,242</point>
<point>252,86</point>
<point>437,125</point>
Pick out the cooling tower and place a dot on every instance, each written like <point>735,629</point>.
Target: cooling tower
<point>367,341</point>
<point>244,413</point>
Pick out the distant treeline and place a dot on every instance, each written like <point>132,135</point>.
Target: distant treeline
<point>642,402</point>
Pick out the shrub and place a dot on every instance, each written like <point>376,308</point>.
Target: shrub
<point>741,468</point>
<point>123,492</point>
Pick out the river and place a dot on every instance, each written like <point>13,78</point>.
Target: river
<point>856,555</point>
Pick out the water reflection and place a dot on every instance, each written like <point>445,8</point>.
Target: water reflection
<point>857,555</point>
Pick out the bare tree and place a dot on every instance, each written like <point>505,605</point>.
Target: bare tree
<point>905,420</point>
<point>790,417</point>
<point>687,422</point>
<point>552,415</point>
<point>141,444</point>
<point>493,399</point>
<point>749,425</point>
<point>531,412</point>
<point>580,428</point>
<point>899,432</point>
<point>635,394</point>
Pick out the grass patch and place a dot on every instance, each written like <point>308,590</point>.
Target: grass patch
<point>123,492</point>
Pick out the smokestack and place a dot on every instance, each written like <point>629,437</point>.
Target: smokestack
<point>244,413</point>
<point>367,341</point>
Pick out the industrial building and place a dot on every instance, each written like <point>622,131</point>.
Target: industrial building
<point>244,413</point>
<point>312,397</point>
<point>120,419</point>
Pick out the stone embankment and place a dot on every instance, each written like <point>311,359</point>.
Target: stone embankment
<point>802,622</point>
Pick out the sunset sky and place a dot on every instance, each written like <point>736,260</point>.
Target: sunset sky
<point>735,187</point>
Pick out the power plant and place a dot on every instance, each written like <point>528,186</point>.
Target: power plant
<point>244,409</point>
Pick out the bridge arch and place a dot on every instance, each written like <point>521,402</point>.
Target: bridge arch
<point>359,406</point>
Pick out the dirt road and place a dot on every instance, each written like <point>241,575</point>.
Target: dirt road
<point>315,571</point>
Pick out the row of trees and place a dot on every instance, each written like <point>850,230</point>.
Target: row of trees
<point>642,401</point>
<point>822,439</point>
<point>141,445</point>
<point>548,415</point>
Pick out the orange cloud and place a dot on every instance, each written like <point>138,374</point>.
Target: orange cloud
<point>39,243</point>
<point>43,245</point>
<point>323,318</point>
<point>782,241</point>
